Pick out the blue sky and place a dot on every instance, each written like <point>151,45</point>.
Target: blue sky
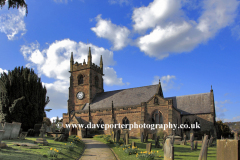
<point>188,44</point>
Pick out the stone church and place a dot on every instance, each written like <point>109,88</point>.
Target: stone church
<point>89,103</point>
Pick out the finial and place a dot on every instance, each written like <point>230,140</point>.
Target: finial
<point>159,81</point>
<point>112,103</point>
<point>84,61</point>
<point>211,87</point>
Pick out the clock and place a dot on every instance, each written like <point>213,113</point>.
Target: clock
<point>80,95</point>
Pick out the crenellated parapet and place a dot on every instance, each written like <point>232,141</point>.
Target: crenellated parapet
<point>81,66</point>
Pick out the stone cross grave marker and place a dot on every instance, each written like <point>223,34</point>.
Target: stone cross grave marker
<point>203,152</point>
<point>168,150</point>
<point>126,138</point>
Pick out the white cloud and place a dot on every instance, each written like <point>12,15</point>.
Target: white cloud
<point>166,81</point>
<point>13,24</point>
<point>3,70</point>
<point>111,78</point>
<point>54,62</point>
<point>173,32</point>
<point>116,34</point>
<point>121,2</point>
<point>234,119</point>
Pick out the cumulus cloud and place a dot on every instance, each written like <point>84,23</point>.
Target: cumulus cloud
<point>166,81</point>
<point>111,78</point>
<point>13,24</point>
<point>173,32</point>
<point>3,70</point>
<point>54,62</point>
<point>116,34</point>
<point>55,118</point>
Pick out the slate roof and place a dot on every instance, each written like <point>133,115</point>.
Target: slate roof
<point>193,104</point>
<point>121,98</point>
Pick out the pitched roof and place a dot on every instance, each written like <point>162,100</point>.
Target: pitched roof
<point>121,98</point>
<point>193,104</point>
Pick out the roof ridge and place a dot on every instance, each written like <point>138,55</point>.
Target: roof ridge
<point>188,95</point>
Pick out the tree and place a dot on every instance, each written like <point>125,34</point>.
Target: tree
<point>47,121</point>
<point>25,97</point>
<point>57,120</point>
<point>223,129</point>
<point>15,4</point>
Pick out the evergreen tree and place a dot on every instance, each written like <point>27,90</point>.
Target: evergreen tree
<point>25,97</point>
<point>14,4</point>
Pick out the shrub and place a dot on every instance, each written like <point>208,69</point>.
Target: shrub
<point>77,139</point>
<point>161,133</point>
<point>31,132</point>
<point>130,151</point>
<point>145,156</point>
<point>107,137</point>
<point>53,153</point>
<point>70,146</point>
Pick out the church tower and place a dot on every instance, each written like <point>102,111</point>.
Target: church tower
<point>85,82</point>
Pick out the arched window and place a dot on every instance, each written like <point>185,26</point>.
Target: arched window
<point>196,123</point>
<point>187,123</point>
<point>157,117</point>
<point>100,124</point>
<point>155,100</point>
<point>80,79</point>
<point>125,121</point>
<point>96,81</point>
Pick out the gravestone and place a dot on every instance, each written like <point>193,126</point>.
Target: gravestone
<point>192,141</point>
<point>142,137</point>
<point>154,136</point>
<point>23,135</point>
<point>236,136</point>
<point>42,140</point>
<point>228,149</point>
<point>133,145</point>
<point>149,147</point>
<point>1,126</point>
<point>195,145</point>
<point>157,144</point>
<point>37,128</point>
<point>112,136</point>
<point>204,149</point>
<point>126,138</point>
<point>164,139</point>
<point>210,142</point>
<point>221,137</point>
<point>53,128</point>
<point>8,130</point>
<point>1,135</point>
<point>15,130</point>
<point>117,135</point>
<point>146,138</point>
<point>48,129</point>
<point>168,150</point>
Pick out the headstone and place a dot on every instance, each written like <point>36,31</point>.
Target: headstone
<point>126,138</point>
<point>149,147</point>
<point>192,141</point>
<point>53,128</point>
<point>113,136</point>
<point>8,130</point>
<point>195,145</point>
<point>133,145</point>
<point>154,136</point>
<point>168,150</point>
<point>1,126</point>
<point>157,144</point>
<point>23,135</point>
<point>142,137</point>
<point>228,149</point>
<point>118,136</point>
<point>146,138</point>
<point>41,140</point>
<point>37,128</point>
<point>221,137</point>
<point>210,142</point>
<point>204,149</point>
<point>48,129</point>
<point>236,135</point>
<point>15,130</point>
<point>1,135</point>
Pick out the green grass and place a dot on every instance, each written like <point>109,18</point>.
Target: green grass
<point>180,152</point>
<point>24,153</point>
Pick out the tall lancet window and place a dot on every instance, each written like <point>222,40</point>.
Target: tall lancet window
<point>157,117</point>
<point>96,81</point>
<point>80,79</point>
<point>125,121</point>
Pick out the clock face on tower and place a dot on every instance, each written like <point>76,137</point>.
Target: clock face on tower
<point>80,95</point>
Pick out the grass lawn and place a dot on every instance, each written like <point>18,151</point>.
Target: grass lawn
<point>63,152</point>
<point>180,151</point>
